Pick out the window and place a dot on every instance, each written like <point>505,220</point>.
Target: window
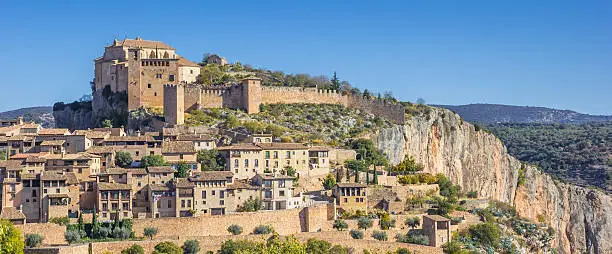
<point>137,153</point>
<point>125,214</point>
<point>221,202</point>
<point>345,199</point>
<point>256,163</point>
<point>139,184</point>
<point>275,155</point>
<point>246,162</point>
<point>357,200</point>
<point>148,85</point>
<point>126,206</point>
<point>267,154</point>
<point>281,193</point>
<point>57,190</point>
<point>191,71</point>
<point>169,203</point>
<point>155,94</point>
<point>182,203</point>
<point>115,206</point>
<point>181,156</point>
<point>171,77</point>
<point>221,194</point>
<point>188,203</point>
<point>203,194</point>
<point>235,162</point>
<point>213,193</point>
<point>268,194</point>
<point>159,75</point>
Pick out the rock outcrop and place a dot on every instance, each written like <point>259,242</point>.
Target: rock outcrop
<point>478,161</point>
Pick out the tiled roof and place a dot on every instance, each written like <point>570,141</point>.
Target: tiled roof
<point>194,137</point>
<point>52,143</point>
<point>178,147</point>
<point>115,171</point>
<point>184,62</point>
<point>160,169</point>
<point>72,156</point>
<point>142,138</point>
<point>282,146</point>
<point>158,187</point>
<point>351,185</point>
<point>10,164</point>
<point>30,126</point>
<point>8,129</point>
<point>240,146</point>
<point>93,134</point>
<point>3,138</point>
<point>274,177</point>
<point>211,176</point>
<point>114,186</point>
<point>26,155</point>
<point>182,183</point>
<point>436,218</point>
<point>101,149</point>
<point>57,175</point>
<point>58,195</point>
<point>11,213</point>
<point>35,159</point>
<point>171,131</point>
<point>20,137</point>
<point>138,171</point>
<point>29,176</point>
<point>54,132</point>
<point>140,43</point>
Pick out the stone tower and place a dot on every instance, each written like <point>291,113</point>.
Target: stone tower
<point>174,104</point>
<point>251,94</point>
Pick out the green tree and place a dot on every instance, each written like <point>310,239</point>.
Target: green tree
<point>150,232</point>
<point>191,247</point>
<point>167,248</point>
<point>11,240</point>
<point>182,169</point>
<point>152,161</point>
<point>329,182</point>
<point>134,249</point>
<point>234,229</point>
<point>380,235</point>
<point>487,234</point>
<point>211,160</point>
<point>357,166</point>
<point>3,155</point>
<point>107,123</point>
<point>340,225</point>
<point>386,222</point>
<point>335,82</point>
<point>33,240</point>
<point>251,205</point>
<point>72,236</point>
<point>123,159</point>
<point>454,247</point>
<point>211,74</point>
<point>364,223</point>
<point>408,165</point>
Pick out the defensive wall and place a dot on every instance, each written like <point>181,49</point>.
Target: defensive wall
<point>248,97</point>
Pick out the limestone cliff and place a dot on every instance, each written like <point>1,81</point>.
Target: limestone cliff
<point>478,161</point>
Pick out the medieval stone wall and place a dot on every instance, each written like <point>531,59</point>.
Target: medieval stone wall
<point>289,95</point>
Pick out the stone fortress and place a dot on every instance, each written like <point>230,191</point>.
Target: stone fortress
<point>153,75</point>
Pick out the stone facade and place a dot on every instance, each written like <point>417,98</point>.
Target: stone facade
<point>174,104</point>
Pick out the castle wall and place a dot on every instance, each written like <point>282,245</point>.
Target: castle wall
<point>289,95</point>
<point>154,73</point>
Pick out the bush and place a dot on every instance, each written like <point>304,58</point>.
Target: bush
<point>472,194</point>
<point>33,240</point>
<point>234,229</point>
<point>122,233</point>
<point>329,182</point>
<point>263,230</point>
<point>251,205</point>
<point>364,223</point>
<point>62,221</point>
<point>413,222</point>
<point>487,234</point>
<point>167,248</point>
<point>414,238</point>
<point>150,232</point>
<point>191,247</point>
<point>386,222</point>
<point>380,235</point>
<point>134,249</point>
<point>102,232</point>
<point>356,234</point>
<point>72,236</point>
<point>123,159</point>
<point>340,225</point>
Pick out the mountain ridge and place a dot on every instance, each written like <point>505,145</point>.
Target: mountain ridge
<point>484,113</point>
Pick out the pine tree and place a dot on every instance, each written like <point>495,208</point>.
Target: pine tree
<point>335,82</point>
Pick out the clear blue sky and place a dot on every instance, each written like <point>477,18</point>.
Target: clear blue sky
<point>538,53</point>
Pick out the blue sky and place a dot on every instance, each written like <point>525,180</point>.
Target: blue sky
<point>538,53</point>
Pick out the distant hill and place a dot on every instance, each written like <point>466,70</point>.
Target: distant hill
<point>41,115</point>
<point>495,113</point>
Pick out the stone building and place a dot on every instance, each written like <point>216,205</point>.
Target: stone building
<point>437,228</point>
<point>351,196</point>
<point>277,191</point>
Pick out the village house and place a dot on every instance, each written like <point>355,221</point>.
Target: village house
<point>277,191</point>
<point>351,196</point>
<point>437,228</point>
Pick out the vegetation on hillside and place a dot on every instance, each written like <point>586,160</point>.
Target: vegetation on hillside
<point>581,154</point>
<point>319,124</point>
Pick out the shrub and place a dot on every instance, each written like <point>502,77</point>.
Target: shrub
<point>251,205</point>
<point>167,248</point>
<point>134,249</point>
<point>317,246</point>
<point>380,235</point>
<point>414,238</point>
<point>122,233</point>
<point>62,221</point>
<point>356,234</point>
<point>329,182</point>
<point>364,223</point>
<point>191,247</point>
<point>234,229</point>
<point>340,225</point>
<point>263,230</point>
<point>72,236</point>
<point>386,222</point>
<point>102,232</point>
<point>123,159</point>
<point>413,222</point>
<point>487,234</point>
<point>150,232</point>
<point>472,194</point>
<point>33,240</point>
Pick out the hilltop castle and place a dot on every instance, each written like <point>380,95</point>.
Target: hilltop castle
<point>153,75</point>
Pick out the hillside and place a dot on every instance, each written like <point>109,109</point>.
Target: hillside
<point>495,113</point>
<point>580,154</point>
<point>42,115</point>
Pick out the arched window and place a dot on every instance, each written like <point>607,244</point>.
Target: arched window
<point>166,55</point>
<point>152,55</point>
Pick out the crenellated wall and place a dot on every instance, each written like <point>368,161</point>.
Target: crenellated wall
<point>289,95</point>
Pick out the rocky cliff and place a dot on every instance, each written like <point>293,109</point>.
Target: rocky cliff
<point>477,160</point>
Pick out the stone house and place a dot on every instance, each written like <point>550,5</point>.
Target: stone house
<point>276,191</point>
<point>60,194</point>
<point>351,196</point>
<point>200,141</point>
<point>176,152</point>
<point>210,195</point>
<point>437,228</point>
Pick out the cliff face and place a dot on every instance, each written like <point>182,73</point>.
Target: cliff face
<point>478,161</point>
